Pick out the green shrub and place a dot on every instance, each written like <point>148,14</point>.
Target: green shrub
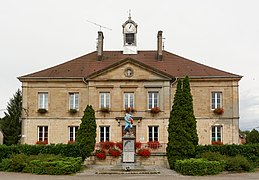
<point>212,156</point>
<point>199,167</point>
<point>239,163</point>
<point>68,150</point>
<point>41,164</point>
<point>250,151</point>
<point>54,166</point>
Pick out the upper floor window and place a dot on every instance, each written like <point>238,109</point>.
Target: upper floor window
<point>152,100</point>
<point>43,100</point>
<point>216,133</point>
<point>72,130</point>
<point>105,100</point>
<point>216,98</point>
<point>152,133</point>
<point>43,134</point>
<point>128,100</point>
<point>73,101</point>
<point>104,133</point>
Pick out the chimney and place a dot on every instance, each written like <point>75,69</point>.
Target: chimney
<point>100,46</point>
<point>159,46</point>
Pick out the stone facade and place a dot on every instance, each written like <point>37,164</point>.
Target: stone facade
<point>114,81</point>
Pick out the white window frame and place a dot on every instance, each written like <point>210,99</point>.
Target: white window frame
<point>74,98</point>
<point>215,96</point>
<point>106,100</point>
<point>74,130</point>
<point>104,133</point>
<point>128,96</point>
<point>43,100</point>
<point>218,128</point>
<point>153,133</point>
<point>43,133</point>
<point>152,93</point>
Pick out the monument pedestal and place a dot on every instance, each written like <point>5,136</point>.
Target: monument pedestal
<point>128,152</point>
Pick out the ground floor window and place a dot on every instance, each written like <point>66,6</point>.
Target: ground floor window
<point>43,134</point>
<point>104,133</point>
<point>72,133</point>
<point>216,134</point>
<point>152,133</point>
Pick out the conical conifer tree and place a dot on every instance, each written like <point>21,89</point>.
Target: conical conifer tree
<point>87,132</point>
<point>11,123</point>
<point>182,133</point>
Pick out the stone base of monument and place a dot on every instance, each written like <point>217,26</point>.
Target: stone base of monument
<point>128,168</point>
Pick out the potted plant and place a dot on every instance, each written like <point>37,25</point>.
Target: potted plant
<point>218,111</point>
<point>130,109</point>
<point>119,145</point>
<point>42,142</point>
<point>100,154</point>
<point>42,110</point>
<point>144,153</point>
<point>72,111</point>
<point>153,144</point>
<point>71,142</point>
<point>137,145</point>
<point>155,110</point>
<point>218,142</point>
<point>105,110</point>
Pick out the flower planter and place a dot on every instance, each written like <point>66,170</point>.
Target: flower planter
<point>153,144</point>
<point>218,111</point>
<point>155,110</point>
<point>105,110</point>
<point>42,111</point>
<point>144,153</point>
<point>129,109</point>
<point>72,111</point>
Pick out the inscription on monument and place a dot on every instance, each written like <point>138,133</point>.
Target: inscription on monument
<point>128,150</point>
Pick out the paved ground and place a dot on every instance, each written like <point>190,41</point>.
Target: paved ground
<point>89,174</point>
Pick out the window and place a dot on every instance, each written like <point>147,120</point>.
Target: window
<point>128,100</point>
<point>43,134</point>
<point>152,133</point>
<point>104,100</point>
<point>130,38</point>
<point>73,101</point>
<point>216,133</point>
<point>216,100</point>
<point>43,100</point>
<point>104,133</point>
<point>152,100</point>
<point>72,130</point>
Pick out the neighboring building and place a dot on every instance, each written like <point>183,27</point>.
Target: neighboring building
<point>1,137</point>
<point>54,99</point>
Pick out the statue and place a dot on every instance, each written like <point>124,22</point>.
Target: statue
<point>128,123</point>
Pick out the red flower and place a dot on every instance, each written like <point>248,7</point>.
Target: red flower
<point>153,144</point>
<point>218,111</point>
<point>115,152</point>
<point>137,145</point>
<point>42,142</point>
<point>155,110</point>
<point>107,145</point>
<point>119,145</point>
<point>100,154</point>
<point>217,143</point>
<point>144,152</point>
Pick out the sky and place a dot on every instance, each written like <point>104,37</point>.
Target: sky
<point>224,34</point>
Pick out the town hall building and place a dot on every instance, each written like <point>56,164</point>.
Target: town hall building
<point>54,99</point>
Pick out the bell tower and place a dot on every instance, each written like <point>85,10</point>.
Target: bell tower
<point>129,36</point>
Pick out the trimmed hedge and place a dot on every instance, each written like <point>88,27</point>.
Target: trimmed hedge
<point>199,167</point>
<point>41,164</point>
<point>68,150</point>
<point>250,151</point>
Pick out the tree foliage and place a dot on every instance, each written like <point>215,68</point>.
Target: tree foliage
<point>252,137</point>
<point>87,132</point>
<point>182,132</point>
<point>11,123</point>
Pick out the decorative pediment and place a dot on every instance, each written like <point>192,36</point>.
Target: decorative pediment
<point>129,69</point>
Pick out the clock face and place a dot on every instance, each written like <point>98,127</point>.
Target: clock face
<point>130,27</point>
